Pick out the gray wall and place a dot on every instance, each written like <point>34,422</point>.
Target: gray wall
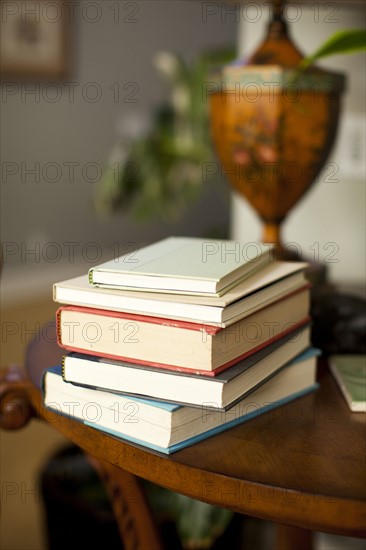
<point>38,130</point>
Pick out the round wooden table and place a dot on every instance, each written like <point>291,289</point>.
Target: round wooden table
<point>301,465</point>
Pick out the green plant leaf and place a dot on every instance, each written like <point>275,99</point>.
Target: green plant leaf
<point>339,43</point>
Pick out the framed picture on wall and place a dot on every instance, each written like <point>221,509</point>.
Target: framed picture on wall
<point>34,38</point>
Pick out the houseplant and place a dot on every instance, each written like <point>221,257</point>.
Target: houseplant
<point>158,174</point>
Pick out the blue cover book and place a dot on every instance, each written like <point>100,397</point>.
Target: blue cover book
<point>209,433</point>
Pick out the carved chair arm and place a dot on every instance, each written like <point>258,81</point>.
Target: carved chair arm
<point>16,407</point>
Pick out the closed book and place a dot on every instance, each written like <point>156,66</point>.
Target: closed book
<point>272,283</point>
<point>349,372</point>
<point>178,345</point>
<point>219,392</point>
<point>187,265</point>
<point>167,427</point>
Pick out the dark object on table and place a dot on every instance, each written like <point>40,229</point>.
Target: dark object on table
<point>339,322</point>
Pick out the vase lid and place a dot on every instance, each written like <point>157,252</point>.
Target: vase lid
<point>275,64</point>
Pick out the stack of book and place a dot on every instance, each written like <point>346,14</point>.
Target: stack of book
<point>181,340</point>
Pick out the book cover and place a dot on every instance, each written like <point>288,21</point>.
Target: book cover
<point>189,265</point>
<point>349,372</point>
<point>271,283</point>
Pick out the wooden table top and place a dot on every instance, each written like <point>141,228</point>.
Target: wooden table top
<point>302,464</point>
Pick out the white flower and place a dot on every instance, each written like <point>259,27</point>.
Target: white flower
<point>168,64</point>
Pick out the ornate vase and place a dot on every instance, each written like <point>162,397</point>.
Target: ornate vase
<point>272,127</point>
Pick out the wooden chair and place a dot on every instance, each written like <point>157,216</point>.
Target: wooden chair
<point>20,400</point>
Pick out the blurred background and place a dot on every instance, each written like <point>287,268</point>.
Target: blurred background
<point>61,118</point>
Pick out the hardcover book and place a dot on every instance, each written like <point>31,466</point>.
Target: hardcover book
<point>349,372</point>
<point>168,427</point>
<point>174,344</point>
<point>222,391</point>
<point>272,283</point>
<point>187,265</point>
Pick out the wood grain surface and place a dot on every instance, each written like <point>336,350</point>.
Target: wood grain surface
<point>301,465</point>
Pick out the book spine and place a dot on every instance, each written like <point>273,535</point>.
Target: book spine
<point>58,326</point>
<point>63,368</point>
<point>54,292</point>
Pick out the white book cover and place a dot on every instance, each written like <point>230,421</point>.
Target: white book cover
<point>180,264</point>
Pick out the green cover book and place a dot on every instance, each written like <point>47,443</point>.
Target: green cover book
<point>349,372</point>
<point>187,265</point>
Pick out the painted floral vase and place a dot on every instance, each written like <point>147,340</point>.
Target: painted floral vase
<point>273,126</point>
